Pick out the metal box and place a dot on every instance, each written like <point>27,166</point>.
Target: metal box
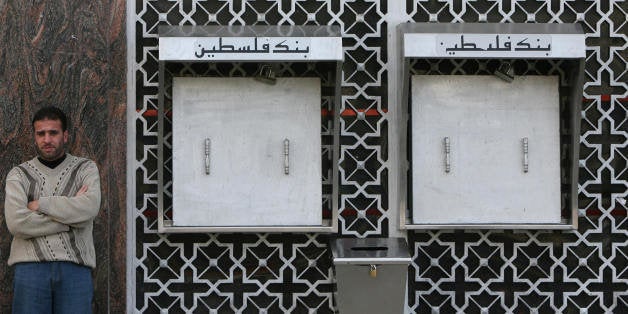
<point>246,153</point>
<point>487,140</point>
<point>248,128</point>
<point>371,274</point>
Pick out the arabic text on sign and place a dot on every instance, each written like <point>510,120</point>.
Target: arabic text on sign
<point>496,45</point>
<point>210,47</point>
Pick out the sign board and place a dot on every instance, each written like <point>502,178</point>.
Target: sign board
<point>250,48</point>
<point>493,40</point>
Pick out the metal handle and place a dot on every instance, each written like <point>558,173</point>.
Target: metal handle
<point>286,156</point>
<point>447,145</point>
<point>525,154</point>
<point>207,150</point>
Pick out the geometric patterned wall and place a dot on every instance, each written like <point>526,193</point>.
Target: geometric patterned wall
<point>483,271</point>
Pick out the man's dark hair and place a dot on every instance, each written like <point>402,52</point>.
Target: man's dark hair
<point>51,113</point>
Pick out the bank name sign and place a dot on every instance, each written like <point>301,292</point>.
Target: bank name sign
<point>472,45</point>
<point>250,48</point>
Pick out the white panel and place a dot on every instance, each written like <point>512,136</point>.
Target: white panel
<point>485,119</point>
<point>246,122</point>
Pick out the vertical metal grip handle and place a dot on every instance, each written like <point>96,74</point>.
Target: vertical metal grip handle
<point>207,150</point>
<point>286,156</point>
<point>447,145</point>
<point>525,154</point>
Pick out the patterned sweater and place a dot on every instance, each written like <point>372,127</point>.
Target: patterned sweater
<point>61,230</point>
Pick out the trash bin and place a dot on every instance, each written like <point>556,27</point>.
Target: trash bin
<point>371,274</point>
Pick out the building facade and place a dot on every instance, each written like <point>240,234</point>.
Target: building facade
<point>465,271</point>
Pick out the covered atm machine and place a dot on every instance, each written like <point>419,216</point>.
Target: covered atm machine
<point>490,125</point>
<point>248,135</point>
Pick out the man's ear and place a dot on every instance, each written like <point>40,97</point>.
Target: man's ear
<point>66,136</point>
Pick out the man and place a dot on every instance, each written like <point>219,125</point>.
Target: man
<point>50,205</point>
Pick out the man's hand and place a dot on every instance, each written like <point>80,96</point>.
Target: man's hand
<point>33,205</point>
<point>81,191</point>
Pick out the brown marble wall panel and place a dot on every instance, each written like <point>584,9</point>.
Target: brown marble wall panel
<point>71,54</point>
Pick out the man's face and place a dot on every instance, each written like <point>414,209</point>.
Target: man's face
<point>50,139</point>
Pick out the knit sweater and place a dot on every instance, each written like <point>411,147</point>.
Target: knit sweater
<point>61,229</point>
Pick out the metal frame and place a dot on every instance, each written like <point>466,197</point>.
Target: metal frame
<point>329,49</point>
<point>421,43</point>
<point>356,251</point>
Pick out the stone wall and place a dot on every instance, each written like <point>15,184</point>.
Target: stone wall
<point>71,54</point>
